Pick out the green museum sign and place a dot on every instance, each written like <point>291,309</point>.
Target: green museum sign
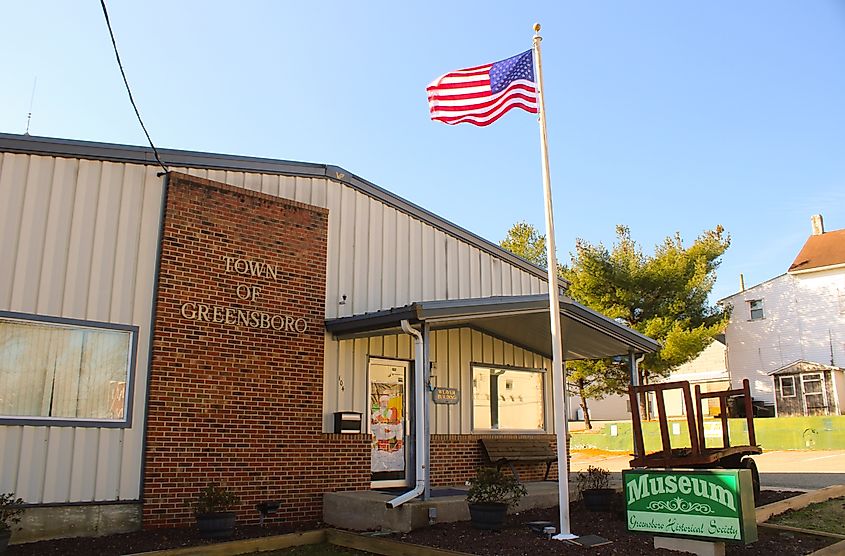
<point>706,505</point>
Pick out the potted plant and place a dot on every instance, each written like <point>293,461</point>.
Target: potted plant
<point>215,520</point>
<point>490,494</point>
<point>10,515</point>
<point>594,487</point>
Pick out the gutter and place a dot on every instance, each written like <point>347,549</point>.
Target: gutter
<point>419,424</point>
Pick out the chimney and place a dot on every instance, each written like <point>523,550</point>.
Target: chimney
<point>818,224</point>
<point>741,282</point>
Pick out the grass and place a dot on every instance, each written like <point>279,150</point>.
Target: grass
<point>317,550</point>
<point>825,516</point>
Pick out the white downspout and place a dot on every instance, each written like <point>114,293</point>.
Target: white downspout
<point>419,421</point>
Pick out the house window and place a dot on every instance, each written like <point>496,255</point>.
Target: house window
<point>756,308</point>
<point>507,399</point>
<point>787,387</point>
<point>63,372</point>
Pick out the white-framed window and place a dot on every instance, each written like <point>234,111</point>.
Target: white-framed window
<point>65,372</point>
<point>812,383</point>
<point>755,308</point>
<point>507,398</point>
<point>787,386</point>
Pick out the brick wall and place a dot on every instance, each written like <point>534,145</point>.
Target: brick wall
<point>235,392</point>
<point>455,457</point>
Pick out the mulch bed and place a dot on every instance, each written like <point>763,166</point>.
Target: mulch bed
<point>514,539</point>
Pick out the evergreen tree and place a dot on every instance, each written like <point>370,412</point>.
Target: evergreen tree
<point>663,296</point>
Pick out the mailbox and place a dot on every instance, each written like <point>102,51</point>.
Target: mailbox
<point>347,422</point>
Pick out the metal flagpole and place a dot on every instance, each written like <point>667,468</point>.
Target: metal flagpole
<point>554,309</point>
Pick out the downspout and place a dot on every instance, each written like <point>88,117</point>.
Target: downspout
<point>419,421</point>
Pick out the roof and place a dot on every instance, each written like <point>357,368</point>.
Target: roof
<point>750,288</point>
<point>520,320</point>
<point>820,252</point>
<point>48,146</point>
<point>802,366</point>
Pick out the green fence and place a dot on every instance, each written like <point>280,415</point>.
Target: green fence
<point>777,433</point>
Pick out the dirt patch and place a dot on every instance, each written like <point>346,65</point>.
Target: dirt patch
<point>826,516</point>
<point>516,539</point>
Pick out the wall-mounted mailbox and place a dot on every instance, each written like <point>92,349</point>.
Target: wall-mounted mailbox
<point>347,422</point>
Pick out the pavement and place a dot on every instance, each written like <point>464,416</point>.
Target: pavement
<point>783,469</point>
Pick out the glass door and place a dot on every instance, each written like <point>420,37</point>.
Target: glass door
<point>388,422</point>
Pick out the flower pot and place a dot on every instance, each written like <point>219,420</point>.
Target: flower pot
<point>4,540</point>
<point>488,515</point>
<point>219,525</point>
<point>598,499</point>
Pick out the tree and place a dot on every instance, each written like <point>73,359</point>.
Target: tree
<point>663,296</point>
<point>525,241</point>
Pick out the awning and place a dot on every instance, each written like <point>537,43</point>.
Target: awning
<point>520,320</point>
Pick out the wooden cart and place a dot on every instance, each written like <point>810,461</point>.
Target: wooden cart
<point>698,455</point>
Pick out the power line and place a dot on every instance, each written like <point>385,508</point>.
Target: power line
<point>128,90</point>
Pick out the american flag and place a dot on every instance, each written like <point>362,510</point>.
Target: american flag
<point>483,94</point>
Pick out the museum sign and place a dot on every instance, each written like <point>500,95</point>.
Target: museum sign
<point>708,505</point>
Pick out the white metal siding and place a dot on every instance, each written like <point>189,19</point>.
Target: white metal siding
<point>451,353</point>
<point>79,239</point>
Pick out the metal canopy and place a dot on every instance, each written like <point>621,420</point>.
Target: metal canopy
<point>519,320</point>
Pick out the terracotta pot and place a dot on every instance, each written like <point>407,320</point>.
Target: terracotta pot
<point>488,515</point>
<point>598,499</point>
<point>219,525</point>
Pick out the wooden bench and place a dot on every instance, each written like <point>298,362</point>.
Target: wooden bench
<point>517,450</point>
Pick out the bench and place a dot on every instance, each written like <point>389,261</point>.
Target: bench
<point>502,451</point>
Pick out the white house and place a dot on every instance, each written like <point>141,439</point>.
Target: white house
<point>797,316</point>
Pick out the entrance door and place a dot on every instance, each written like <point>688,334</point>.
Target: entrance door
<point>388,422</point>
<point>815,395</point>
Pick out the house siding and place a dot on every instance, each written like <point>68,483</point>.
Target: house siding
<point>804,318</point>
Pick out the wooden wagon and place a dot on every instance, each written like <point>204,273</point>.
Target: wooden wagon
<point>698,455</point>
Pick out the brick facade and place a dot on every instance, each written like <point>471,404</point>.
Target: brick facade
<point>235,393</point>
<point>455,457</point>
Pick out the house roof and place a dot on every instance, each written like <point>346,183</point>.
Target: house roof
<point>521,320</point>
<point>821,251</point>
<point>49,146</point>
<point>802,365</point>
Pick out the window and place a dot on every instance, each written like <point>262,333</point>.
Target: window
<point>507,399</point>
<point>812,384</point>
<point>62,371</point>
<point>787,387</point>
<point>756,308</point>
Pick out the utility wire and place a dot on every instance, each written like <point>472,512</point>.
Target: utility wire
<point>128,90</point>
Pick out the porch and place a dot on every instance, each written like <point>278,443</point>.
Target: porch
<point>367,510</point>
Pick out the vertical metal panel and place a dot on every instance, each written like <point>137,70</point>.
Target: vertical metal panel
<point>427,264</point>
<point>360,254</point>
<point>33,450</point>
<point>13,172</point>
<point>474,272</point>
<point>86,246</point>
<point>415,259</point>
<point>375,267</point>
<point>388,257</point>
<point>252,182</point>
<point>33,224</point>
<point>453,268</point>
<point>456,369</point>
<point>57,470</point>
<point>54,263</point>
<point>403,248</point>
<point>441,264</point>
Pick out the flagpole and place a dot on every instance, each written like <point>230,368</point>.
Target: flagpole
<point>560,421</point>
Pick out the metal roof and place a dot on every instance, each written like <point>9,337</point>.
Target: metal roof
<point>520,320</point>
<point>192,159</point>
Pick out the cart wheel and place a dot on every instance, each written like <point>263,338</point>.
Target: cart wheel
<point>751,465</point>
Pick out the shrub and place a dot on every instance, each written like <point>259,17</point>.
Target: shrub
<point>491,486</point>
<point>214,499</point>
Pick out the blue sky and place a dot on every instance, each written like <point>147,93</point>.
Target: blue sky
<point>665,116</point>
